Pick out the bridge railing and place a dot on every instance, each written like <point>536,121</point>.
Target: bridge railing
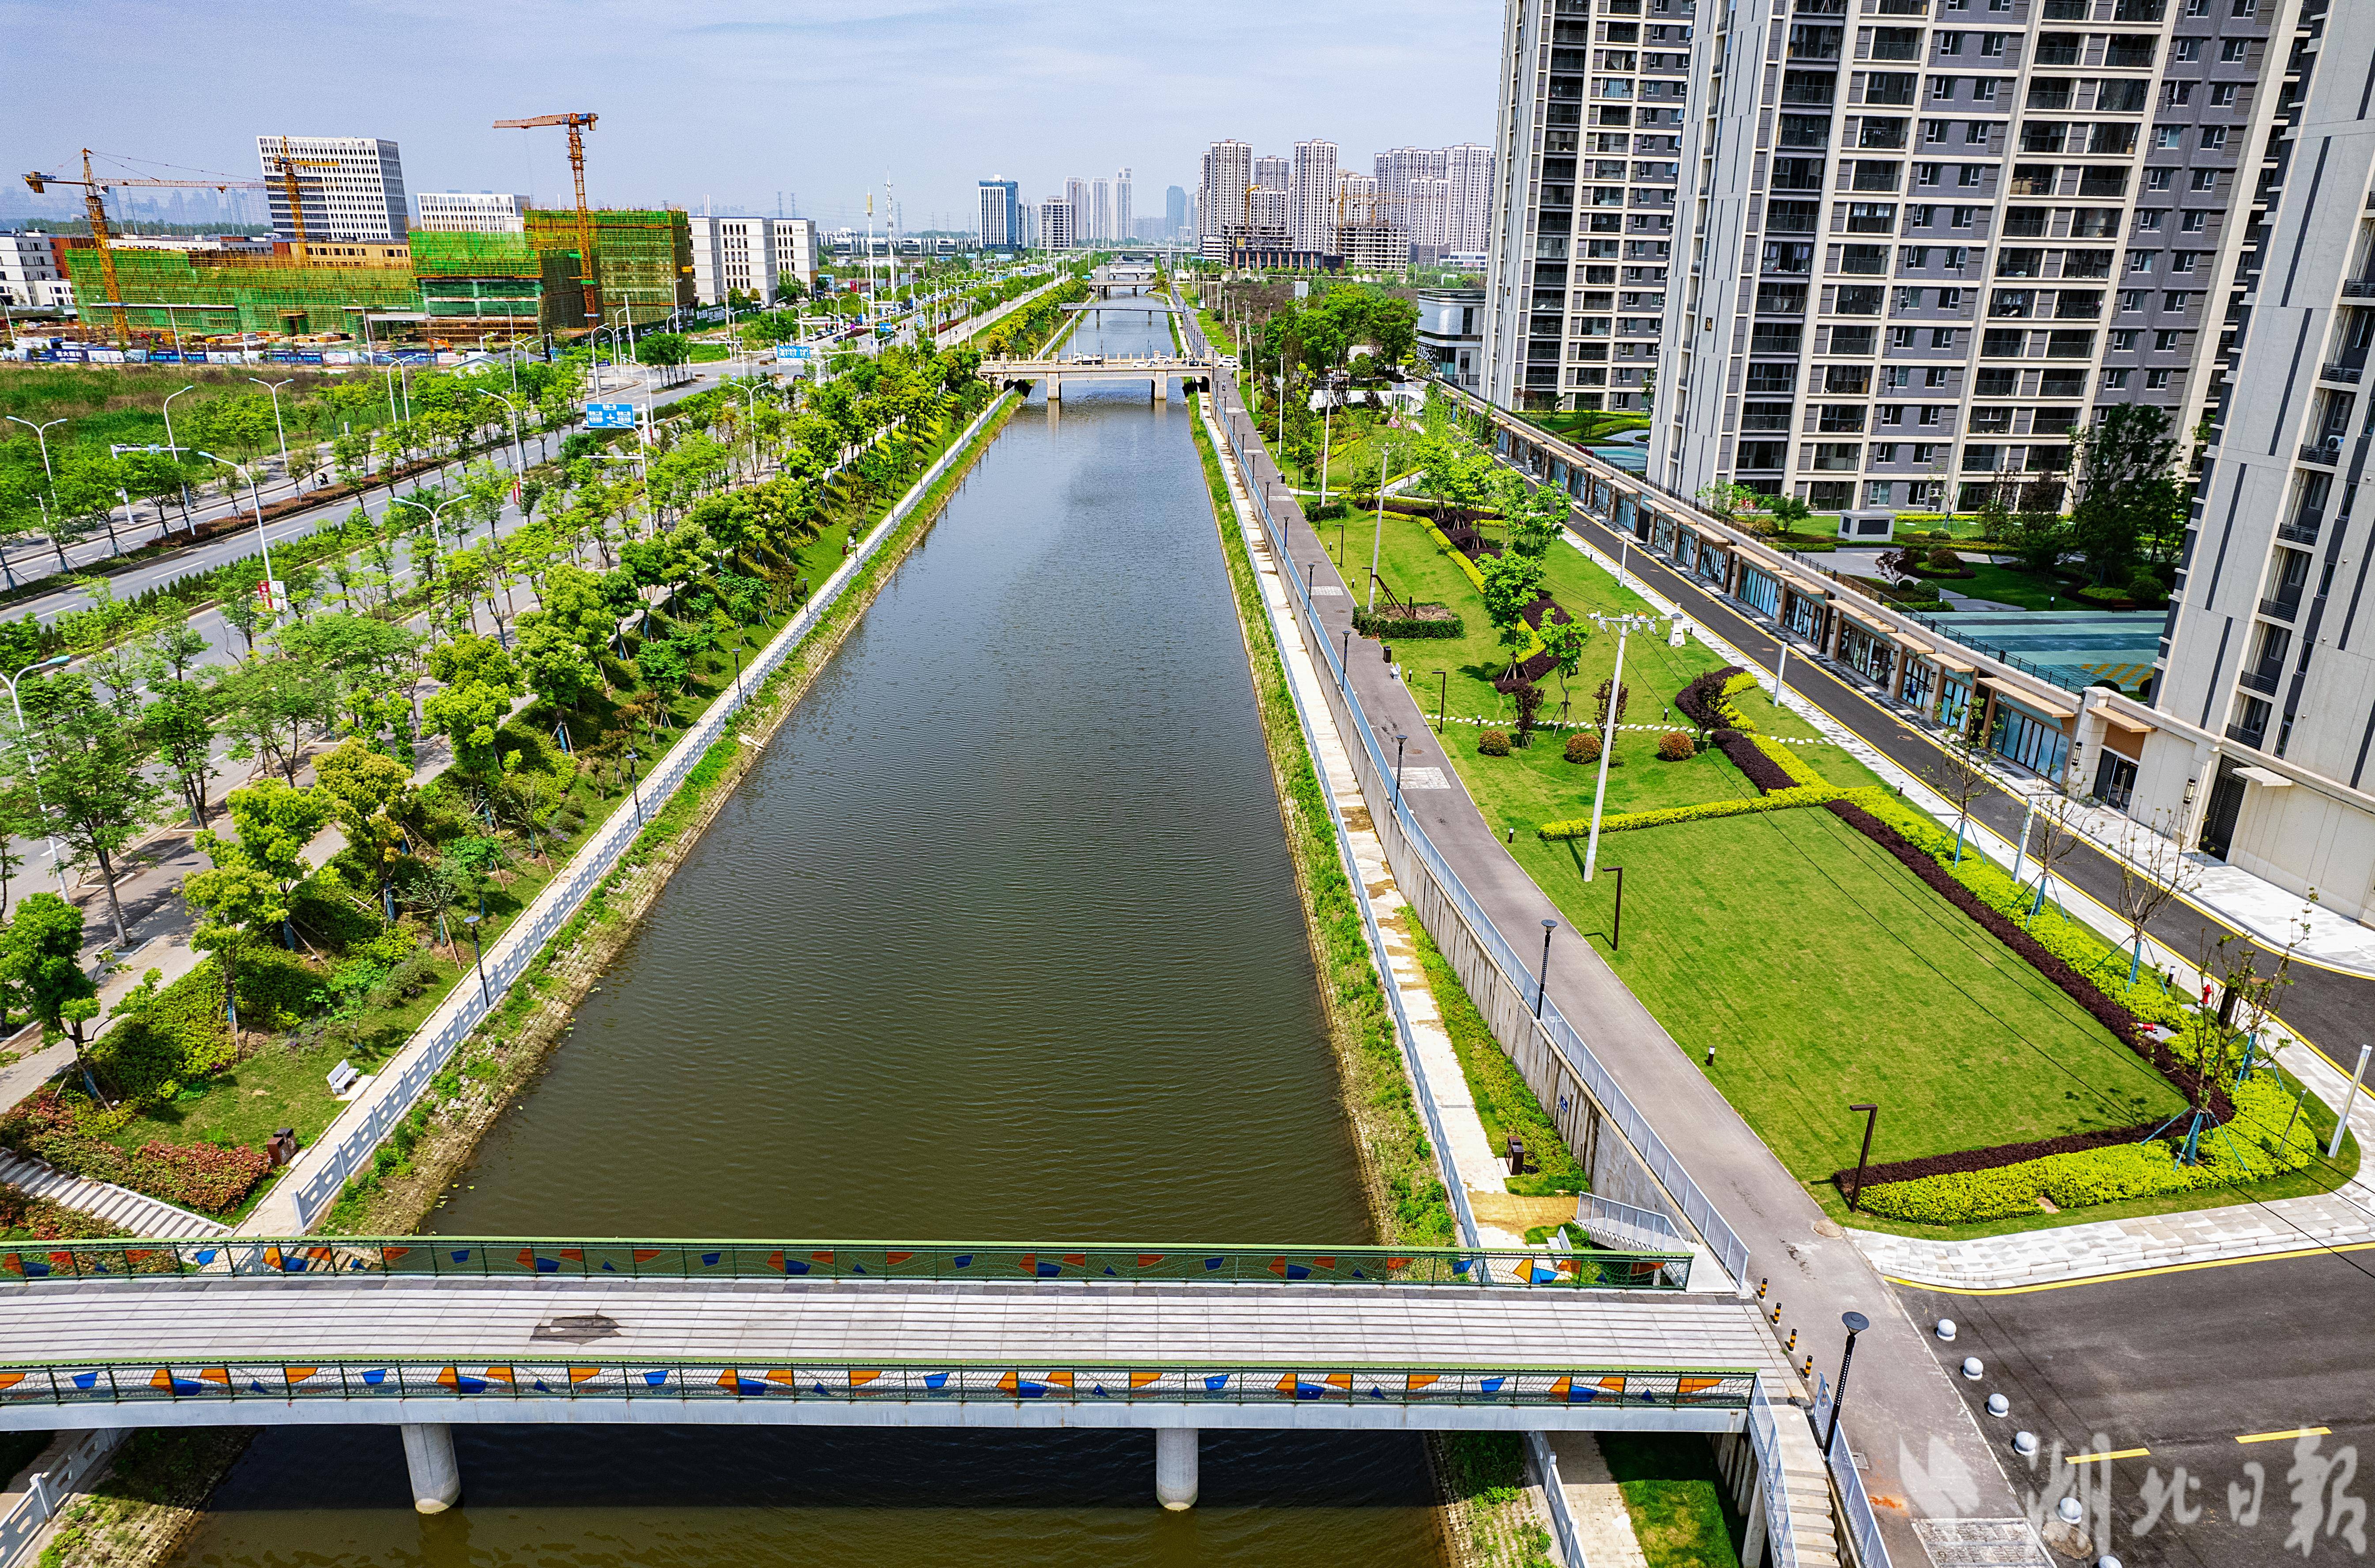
<point>842,1381</point>
<point>891,1262</point>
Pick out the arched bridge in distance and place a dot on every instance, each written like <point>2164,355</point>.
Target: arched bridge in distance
<point>424,1332</point>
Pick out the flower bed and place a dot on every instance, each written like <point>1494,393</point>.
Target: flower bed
<point>1445,622</point>
<point>203,1176</point>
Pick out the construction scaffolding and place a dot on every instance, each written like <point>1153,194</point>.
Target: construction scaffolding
<point>217,293</point>
<point>496,281</point>
<point>643,260</point>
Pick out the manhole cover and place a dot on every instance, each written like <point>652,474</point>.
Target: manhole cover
<point>578,1330</point>
<point>1981,1543</point>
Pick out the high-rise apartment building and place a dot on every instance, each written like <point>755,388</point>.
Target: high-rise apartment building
<point>1269,219</point>
<point>1056,215</point>
<point>347,187</point>
<point>1097,228</point>
<point>1271,173</point>
<point>1468,207</point>
<point>1000,219</point>
<point>1931,247</point>
<point>1311,196</point>
<point>1174,211</point>
<point>469,212</point>
<point>1425,205</point>
<point>754,258</point>
<point>1396,168</point>
<point>1123,227</point>
<point>1076,193</point>
<point>1221,195</point>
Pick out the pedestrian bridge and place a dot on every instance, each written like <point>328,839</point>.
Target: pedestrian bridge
<point>1194,374</point>
<point>423,1332</point>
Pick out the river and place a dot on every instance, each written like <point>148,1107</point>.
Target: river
<point>1000,941</point>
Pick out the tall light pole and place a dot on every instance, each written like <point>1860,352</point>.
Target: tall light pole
<point>1377,539</point>
<point>422,506</point>
<point>1542,984</point>
<point>1871,1120</point>
<point>57,862</point>
<point>1855,1322</point>
<point>255,497</point>
<point>40,435</point>
<point>277,427</point>
<point>519,452</point>
<point>1623,624</point>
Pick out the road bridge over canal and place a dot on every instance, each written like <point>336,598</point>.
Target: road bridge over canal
<point>424,1332</point>
<point>1194,374</point>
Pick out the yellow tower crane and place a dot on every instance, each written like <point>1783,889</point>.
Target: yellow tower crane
<point>95,206</point>
<point>577,126</point>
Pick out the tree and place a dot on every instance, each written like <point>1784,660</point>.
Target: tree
<point>178,726</point>
<point>1958,773</point>
<point>364,790</point>
<point>1600,717</point>
<point>555,668</point>
<point>2126,487</point>
<point>231,900</point>
<point>1564,641</point>
<point>40,958</point>
<point>1512,581</point>
<point>273,822</point>
<point>480,684</point>
<point>663,348</point>
<point>2153,874</point>
<point>1788,511</point>
<point>89,762</point>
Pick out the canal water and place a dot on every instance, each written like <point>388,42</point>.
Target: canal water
<point>1000,941</point>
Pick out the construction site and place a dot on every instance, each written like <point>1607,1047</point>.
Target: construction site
<point>439,286</point>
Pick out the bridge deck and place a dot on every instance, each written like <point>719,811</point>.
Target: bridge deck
<point>205,1349</point>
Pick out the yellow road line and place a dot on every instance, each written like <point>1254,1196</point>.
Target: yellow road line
<point>2280,1436</point>
<point>2309,1250</point>
<point>2109,1453</point>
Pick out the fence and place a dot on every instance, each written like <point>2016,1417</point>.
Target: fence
<point>325,1168</point>
<point>1153,1380</point>
<point>1846,1484</point>
<point>47,1492</point>
<point>889,1263</point>
<point>1765,1436</point>
<point>1564,1041</point>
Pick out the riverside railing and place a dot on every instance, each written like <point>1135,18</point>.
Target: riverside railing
<point>1696,1207</point>
<point>890,1262</point>
<point>146,1383</point>
<point>347,1144</point>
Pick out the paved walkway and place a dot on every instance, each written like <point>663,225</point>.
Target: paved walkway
<point>1603,1525</point>
<point>1924,1446</point>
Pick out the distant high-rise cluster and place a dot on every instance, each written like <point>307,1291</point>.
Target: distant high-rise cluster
<point>1418,204</point>
<point>1093,212</point>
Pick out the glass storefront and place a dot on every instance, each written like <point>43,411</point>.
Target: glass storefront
<point>1921,681</point>
<point>1870,656</point>
<point>1955,700</point>
<point>2034,743</point>
<point>1805,615</point>
<point>1758,591</point>
<point>2115,781</point>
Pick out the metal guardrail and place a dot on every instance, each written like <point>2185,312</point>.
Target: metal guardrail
<point>891,1263</point>
<point>1765,1436</point>
<point>1697,1209</point>
<point>1602,1218</point>
<point>466,1006</point>
<point>1101,1381</point>
<point>1847,1483</point>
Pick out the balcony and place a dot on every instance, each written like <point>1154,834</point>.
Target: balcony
<point>2327,453</point>
<point>2251,738</point>
<point>2302,529</point>
<point>2262,680</point>
<point>2358,288</point>
<point>2348,375</point>
<point>2284,607</point>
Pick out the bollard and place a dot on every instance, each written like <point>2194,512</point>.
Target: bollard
<point>1946,1331</point>
<point>1775,1315</point>
<point>1998,1405</point>
<point>1791,1347</point>
<point>1517,1155</point>
<point>1767,1280</point>
<point>2024,1444</point>
<point>1973,1367</point>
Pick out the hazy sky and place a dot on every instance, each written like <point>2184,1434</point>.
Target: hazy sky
<point>730,103</point>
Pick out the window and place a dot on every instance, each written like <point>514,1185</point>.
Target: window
<point>2205,180</point>
<point>1838,456</point>
<point>2157,381</point>
<point>1874,175</point>
<point>1983,90</point>
<point>1977,133</point>
<point>2012,303</point>
<point>1880,131</point>
<point>2186,49</point>
<point>1992,45</point>
<point>1877,493</point>
<point>1979,458</point>
<point>1894,414</point>
<point>1901,337</point>
<point>2165,340</point>
<point>2192,223</point>
<point>2183,261</point>
<point>2142,261</point>
<point>1853,340</point>
<point>2135,299</point>
<point>2168,136</point>
<point>2123,339</point>
<point>2115,381</point>
<point>1962,218</point>
<point>2003,343</point>
<point>1950,299</point>
<point>1872,218</point>
<point>1841,419</point>
<point>1921,215</point>
<point>2150,222</point>
<point>1930,413</point>
<point>2234,52</point>
<point>1941,338</point>
<point>1923,175</point>
<point>1942,88</point>
<point>1948,42</point>
<point>1936,375</point>
<point>2176,95</point>
<point>2222,95</point>
<point>2212,137</point>
<point>1969,175</point>
<point>1895,378</point>
<point>1997,383</point>
<point>1934,131</point>
<point>1848,381</point>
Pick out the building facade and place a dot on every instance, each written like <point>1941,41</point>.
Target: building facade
<point>1451,333</point>
<point>471,212</point>
<point>1000,228</point>
<point>1055,224</point>
<point>1124,227</point>
<point>1221,195</point>
<point>1928,254</point>
<point>348,188</point>
<point>1311,196</point>
<point>751,258</point>
<point>1174,212</point>
<point>32,274</point>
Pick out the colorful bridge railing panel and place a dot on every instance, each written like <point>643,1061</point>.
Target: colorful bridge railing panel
<point>135,1383</point>
<point>442,1257</point>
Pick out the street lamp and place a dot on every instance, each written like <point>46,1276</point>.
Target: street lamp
<point>1543,985</point>
<point>41,433</point>
<point>277,427</point>
<point>256,497</point>
<point>423,506</point>
<point>633,793</point>
<point>57,862</point>
<point>1623,624</point>
<point>1401,740</point>
<point>519,452</point>
<point>1442,695</point>
<point>1871,1120</point>
<point>1855,1322</point>
<point>472,922</point>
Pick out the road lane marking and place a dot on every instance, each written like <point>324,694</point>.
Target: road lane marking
<point>2281,1436</point>
<point>2312,1249</point>
<point>2109,1453</point>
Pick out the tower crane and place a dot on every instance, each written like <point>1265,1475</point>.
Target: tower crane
<point>577,126</point>
<point>95,206</point>
<point>288,166</point>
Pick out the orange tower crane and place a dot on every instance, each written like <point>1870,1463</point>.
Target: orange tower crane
<point>95,205</point>
<point>577,125</point>
<point>287,166</point>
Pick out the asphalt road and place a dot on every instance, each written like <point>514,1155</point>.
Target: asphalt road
<point>2208,1384</point>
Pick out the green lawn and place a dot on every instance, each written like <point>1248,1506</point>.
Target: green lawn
<point>2004,585</point>
<point>1676,1498</point>
<point>1825,973</point>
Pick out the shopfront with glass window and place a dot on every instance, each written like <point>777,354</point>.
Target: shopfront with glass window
<point>1759,590</point>
<point>1805,617</point>
<point>2028,737</point>
<point>1868,652</point>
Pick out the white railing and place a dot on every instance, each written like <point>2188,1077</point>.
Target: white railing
<point>1563,1531</point>
<point>347,1144</point>
<point>1846,1484</point>
<point>47,1492</point>
<point>1696,1207</point>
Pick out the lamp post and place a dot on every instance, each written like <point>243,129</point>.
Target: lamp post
<point>57,862</point>
<point>173,447</point>
<point>1542,983</point>
<point>41,433</point>
<point>1378,538</point>
<point>1871,1120</point>
<point>1401,740</point>
<point>423,506</point>
<point>633,791</point>
<point>1442,695</point>
<point>255,497</point>
<point>279,429</point>
<point>1855,1322</point>
<point>519,452</point>
<point>480,953</point>
<point>1623,624</point>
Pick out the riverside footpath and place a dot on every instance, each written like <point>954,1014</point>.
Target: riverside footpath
<point>1920,1452</point>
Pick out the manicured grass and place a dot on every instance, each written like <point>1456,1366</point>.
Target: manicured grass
<point>2005,585</point>
<point>1825,973</point>
<point>1504,1104</point>
<point>1681,1512</point>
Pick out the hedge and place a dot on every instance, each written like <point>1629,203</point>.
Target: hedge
<point>1403,627</point>
<point>2262,1122</point>
<point>1705,810</point>
<point>204,1176</point>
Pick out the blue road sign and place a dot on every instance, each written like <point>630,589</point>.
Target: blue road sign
<point>610,415</point>
<point>791,350</point>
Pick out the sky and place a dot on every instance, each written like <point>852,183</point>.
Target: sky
<point>725,103</point>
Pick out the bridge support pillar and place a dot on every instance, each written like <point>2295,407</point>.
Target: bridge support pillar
<point>1175,1466</point>
<point>1055,388</point>
<point>1159,382</point>
<point>437,1479</point>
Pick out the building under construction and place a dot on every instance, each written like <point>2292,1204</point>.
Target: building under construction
<point>642,259</point>
<point>473,283</point>
<point>211,293</point>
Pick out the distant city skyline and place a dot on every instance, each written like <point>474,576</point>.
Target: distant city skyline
<point>692,100</point>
